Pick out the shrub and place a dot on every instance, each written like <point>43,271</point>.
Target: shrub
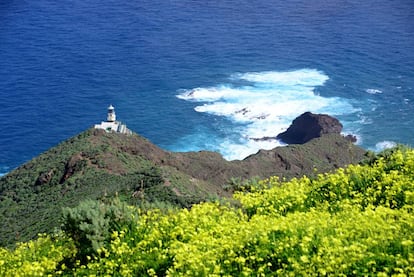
<point>91,224</point>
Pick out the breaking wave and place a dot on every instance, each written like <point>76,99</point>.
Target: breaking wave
<point>260,105</point>
<point>373,91</point>
<point>380,146</point>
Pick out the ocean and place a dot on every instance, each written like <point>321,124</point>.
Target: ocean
<point>203,75</point>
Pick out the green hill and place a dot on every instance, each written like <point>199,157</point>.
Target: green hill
<point>100,165</point>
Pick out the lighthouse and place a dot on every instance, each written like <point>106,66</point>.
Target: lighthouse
<point>111,114</point>
<point>111,125</point>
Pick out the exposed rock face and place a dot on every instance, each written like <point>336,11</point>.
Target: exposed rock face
<point>309,126</point>
<point>44,178</point>
<point>72,165</point>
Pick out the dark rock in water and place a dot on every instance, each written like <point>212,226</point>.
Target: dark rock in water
<point>309,126</point>
<point>263,139</point>
<point>351,138</point>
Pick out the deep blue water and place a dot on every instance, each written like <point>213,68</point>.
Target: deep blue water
<point>192,75</point>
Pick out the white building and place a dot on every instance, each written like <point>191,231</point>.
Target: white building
<point>111,125</point>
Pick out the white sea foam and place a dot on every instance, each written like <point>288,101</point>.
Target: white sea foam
<point>264,107</point>
<point>380,146</point>
<point>236,151</point>
<point>304,77</point>
<point>364,120</point>
<point>373,91</point>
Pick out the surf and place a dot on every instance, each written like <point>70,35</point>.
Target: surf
<point>261,105</point>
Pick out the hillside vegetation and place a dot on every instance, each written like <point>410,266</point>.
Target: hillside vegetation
<point>356,221</point>
<point>99,165</point>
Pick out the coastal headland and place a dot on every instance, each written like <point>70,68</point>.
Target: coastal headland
<point>97,164</point>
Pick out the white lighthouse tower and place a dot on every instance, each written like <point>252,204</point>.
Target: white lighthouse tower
<point>111,114</point>
<point>111,125</point>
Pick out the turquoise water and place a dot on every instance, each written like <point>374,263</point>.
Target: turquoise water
<point>192,75</point>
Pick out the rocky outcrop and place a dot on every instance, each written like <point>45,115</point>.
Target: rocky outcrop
<point>309,126</point>
<point>73,165</point>
<point>44,178</point>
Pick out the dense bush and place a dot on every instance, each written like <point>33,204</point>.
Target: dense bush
<point>357,221</point>
<point>91,224</point>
